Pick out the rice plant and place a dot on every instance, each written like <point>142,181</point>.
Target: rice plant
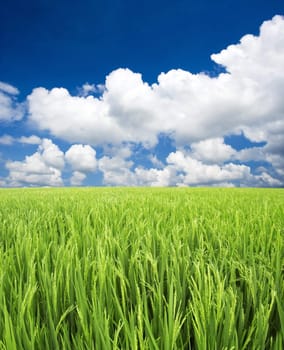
<point>129,268</point>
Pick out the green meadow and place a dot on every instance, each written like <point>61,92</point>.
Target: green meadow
<point>122,268</point>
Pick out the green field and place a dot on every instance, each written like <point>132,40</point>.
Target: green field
<point>141,269</point>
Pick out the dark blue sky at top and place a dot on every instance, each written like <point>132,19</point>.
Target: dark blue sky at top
<point>67,43</point>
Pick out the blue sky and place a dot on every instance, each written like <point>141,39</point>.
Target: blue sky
<point>152,93</point>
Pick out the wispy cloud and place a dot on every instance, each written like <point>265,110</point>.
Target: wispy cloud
<point>9,140</point>
<point>10,109</point>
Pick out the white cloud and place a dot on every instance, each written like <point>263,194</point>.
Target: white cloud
<point>123,151</point>
<point>30,140</point>
<point>119,171</point>
<point>43,168</point>
<point>248,58</point>
<point>81,158</point>
<point>10,110</point>
<point>155,161</point>
<point>266,180</point>
<point>116,171</point>
<point>197,111</point>
<point>8,89</point>
<point>51,154</point>
<point>223,185</point>
<point>182,170</point>
<point>189,107</point>
<point>77,178</point>
<point>195,172</point>
<point>248,154</point>
<point>6,140</point>
<point>89,89</point>
<point>277,162</point>
<point>212,150</point>
<point>72,118</point>
<point>154,177</point>
<point>9,140</point>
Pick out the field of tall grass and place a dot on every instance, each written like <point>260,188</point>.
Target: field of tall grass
<point>141,269</point>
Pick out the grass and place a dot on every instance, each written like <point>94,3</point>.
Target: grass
<point>141,269</point>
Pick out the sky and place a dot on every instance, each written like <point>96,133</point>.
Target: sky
<point>142,93</point>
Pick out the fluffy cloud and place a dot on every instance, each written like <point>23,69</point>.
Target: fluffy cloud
<point>181,169</point>
<point>77,178</point>
<point>10,110</point>
<point>212,150</point>
<point>155,161</point>
<point>81,158</point>
<point>195,110</point>
<point>155,177</point>
<point>120,172</point>
<point>195,172</point>
<point>189,107</point>
<point>43,168</point>
<point>117,171</point>
<point>51,155</point>
<point>267,181</point>
<point>73,118</point>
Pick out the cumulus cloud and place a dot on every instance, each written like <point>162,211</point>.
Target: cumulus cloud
<point>77,178</point>
<point>81,157</point>
<point>181,169</point>
<point>155,161</point>
<point>73,118</point>
<point>117,171</point>
<point>188,107</point>
<point>212,150</point>
<point>195,110</point>
<point>51,154</point>
<point>267,180</point>
<point>195,172</point>
<point>155,177</point>
<point>10,109</point>
<point>43,168</point>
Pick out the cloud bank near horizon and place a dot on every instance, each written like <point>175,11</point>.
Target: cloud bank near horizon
<point>196,111</point>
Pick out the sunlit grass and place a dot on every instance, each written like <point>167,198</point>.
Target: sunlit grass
<point>141,269</point>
